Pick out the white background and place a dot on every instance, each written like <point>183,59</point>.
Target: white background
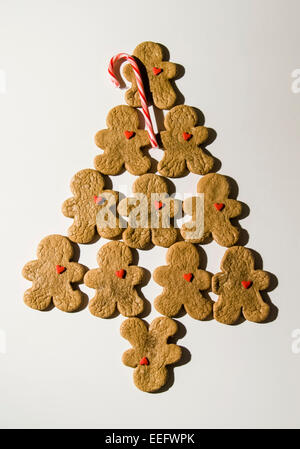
<point>65,370</point>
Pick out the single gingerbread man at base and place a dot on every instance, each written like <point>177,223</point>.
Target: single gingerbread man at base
<point>114,282</point>
<point>151,352</point>
<point>159,73</point>
<point>52,276</point>
<point>153,208</point>
<point>183,283</point>
<point>122,143</point>
<point>91,208</point>
<point>181,143</point>
<point>238,287</point>
<point>212,215</point>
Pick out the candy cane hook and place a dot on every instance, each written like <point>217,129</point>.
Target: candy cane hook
<point>141,90</point>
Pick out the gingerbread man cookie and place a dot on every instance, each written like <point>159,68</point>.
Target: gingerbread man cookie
<point>91,208</point>
<point>215,216</point>
<point>151,352</point>
<point>52,275</point>
<point>238,287</point>
<point>159,73</point>
<point>181,142</point>
<point>114,282</point>
<point>183,283</point>
<point>122,143</point>
<point>149,213</point>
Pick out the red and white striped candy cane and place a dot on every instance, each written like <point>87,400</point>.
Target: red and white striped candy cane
<point>141,90</point>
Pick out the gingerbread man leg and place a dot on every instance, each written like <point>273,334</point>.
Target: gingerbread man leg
<point>164,236</point>
<point>200,163</point>
<point>131,305</point>
<point>68,300</point>
<point>171,167</point>
<point>225,235</point>
<point>198,308</point>
<point>137,237</point>
<point>226,311</point>
<point>108,163</point>
<point>256,310</point>
<point>136,163</point>
<point>81,232</point>
<point>102,305</point>
<point>37,298</point>
<point>166,307</point>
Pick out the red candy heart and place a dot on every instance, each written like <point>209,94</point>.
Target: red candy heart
<point>188,277</point>
<point>60,269</point>
<point>158,205</point>
<point>187,136</point>
<point>219,206</point>
<point>129,134</point>
<point>157,70</point>
<point>246,284</point>
<point>121,273</point>
<point>98,199</point>
<point>144,361</point>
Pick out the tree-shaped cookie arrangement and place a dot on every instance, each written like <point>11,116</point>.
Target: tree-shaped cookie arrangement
<point>149,211</point>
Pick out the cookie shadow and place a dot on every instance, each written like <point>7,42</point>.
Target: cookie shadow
<point>185,358</point>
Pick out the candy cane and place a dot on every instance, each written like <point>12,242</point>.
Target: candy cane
<point>141,90</point>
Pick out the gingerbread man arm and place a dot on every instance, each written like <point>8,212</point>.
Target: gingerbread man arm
<point>233,208</point>
<point>174,354</point>
<point>30,270</point>
<point>94,278</point>
<point>218,281</point>
<point>134,275</point>
<point>76,272</point>
<point>102,138</point>
<point>130,358</point>
<point>143,137</point>
<point>134,330</point>
<point>163,328</point>
<point>68,207</point>
<point>261,279</point>
<point>169,69</point>
<point>161,275</point>
<point>200,133</point>
<point>202,279</point>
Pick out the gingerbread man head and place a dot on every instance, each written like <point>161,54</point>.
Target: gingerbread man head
<point>181,142</point>
<point>114,282</point>
<point>92,208</point>
<point>122,143</point>
<point>52,275</point>
<point>159,73</point>
<point>183,282</point>
<point>149,213</point>
<point>238,287</point>
<point>151,352</point>
<point>216,214</point>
